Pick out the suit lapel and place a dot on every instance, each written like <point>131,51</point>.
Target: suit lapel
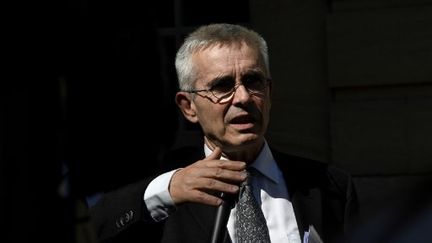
<point>307,209</point>
<point>205,216</point>
<point>306,198</point>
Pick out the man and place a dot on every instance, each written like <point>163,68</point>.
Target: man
<point>225,87</point>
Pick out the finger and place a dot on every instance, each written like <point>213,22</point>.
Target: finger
<point>205,198</point>
<point>197,189</point>
<point>225,164</point>
<point>231,175</point>
<point>209,185</point>
<point>209,196</point>
<point>216,154</point>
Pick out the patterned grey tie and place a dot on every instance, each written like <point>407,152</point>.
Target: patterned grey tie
<point>250,225</point>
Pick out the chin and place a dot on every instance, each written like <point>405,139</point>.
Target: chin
<point>246,139</point>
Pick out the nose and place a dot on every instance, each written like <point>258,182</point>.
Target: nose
<point>241,95</point>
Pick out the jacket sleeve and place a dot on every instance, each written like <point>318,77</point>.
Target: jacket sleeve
<point>122,210</point>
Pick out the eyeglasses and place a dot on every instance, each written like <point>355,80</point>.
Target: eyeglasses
<point>223,90</point>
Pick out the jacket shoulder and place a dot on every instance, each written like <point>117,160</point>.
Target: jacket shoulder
<point>312,173</point>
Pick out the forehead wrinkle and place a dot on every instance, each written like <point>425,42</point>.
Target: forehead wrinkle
<point>232,64</point>
<point>237,75</point>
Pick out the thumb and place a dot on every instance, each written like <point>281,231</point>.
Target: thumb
<point>216,154</point>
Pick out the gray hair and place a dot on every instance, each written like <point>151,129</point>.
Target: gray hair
<point>211,35</point>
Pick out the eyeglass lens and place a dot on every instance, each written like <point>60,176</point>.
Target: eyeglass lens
<point>224,88</point>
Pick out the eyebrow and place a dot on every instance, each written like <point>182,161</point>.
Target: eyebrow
<point>248,73</point>
<point>254,73</point>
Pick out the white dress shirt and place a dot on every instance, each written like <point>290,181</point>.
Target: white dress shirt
<point>270,190</point>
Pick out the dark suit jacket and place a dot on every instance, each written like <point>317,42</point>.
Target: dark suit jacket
<point>322,196</point>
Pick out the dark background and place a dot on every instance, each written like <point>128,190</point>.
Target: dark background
<point>87,96</point>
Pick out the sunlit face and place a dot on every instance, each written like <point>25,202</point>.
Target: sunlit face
<point>240,123</point>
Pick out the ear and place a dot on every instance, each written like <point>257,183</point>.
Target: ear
<point>187,106</point>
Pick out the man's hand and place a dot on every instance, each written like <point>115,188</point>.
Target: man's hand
<point>198,181</point>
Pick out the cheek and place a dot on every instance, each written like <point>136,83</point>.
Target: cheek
<point>211,116</point>
<point>264,107</point>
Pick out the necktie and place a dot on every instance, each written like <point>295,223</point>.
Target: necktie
<point>250,225</point>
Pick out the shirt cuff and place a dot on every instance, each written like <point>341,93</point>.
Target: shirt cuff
<point>157,197</point>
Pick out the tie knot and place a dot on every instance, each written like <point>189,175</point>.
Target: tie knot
<point>250,172</point>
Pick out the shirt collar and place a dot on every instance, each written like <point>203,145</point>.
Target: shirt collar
<point>264,163</point>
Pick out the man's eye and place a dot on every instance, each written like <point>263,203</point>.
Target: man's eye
<point>223,86</point>
<point>254,82</point>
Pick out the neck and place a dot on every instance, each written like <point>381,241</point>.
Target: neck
<point>245,152</point>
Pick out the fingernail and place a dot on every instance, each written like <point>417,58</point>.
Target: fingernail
<point>219,201</point>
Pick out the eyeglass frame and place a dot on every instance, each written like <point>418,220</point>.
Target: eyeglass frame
<point>229,94</point>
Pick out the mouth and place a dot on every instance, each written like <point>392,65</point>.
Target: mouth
<point>243,122</point>
<point>242,119</point>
